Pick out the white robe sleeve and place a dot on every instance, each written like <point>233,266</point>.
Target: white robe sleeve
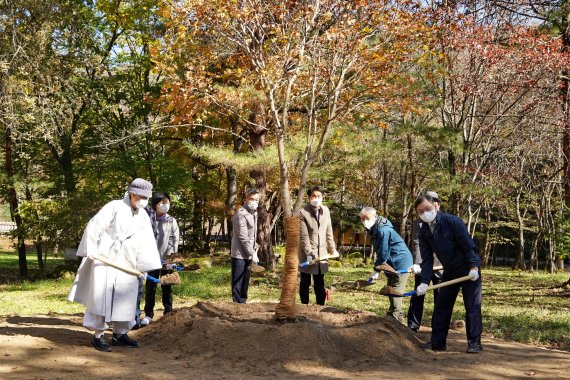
<point>148,257</point>
<point>95,228</point>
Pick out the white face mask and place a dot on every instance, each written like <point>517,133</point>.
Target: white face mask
<point>164,207</point>
<point>428,216</point>
<point>316,202</point>
<point>141,203</point>
<point>253,205</point>
<point>368,223</point>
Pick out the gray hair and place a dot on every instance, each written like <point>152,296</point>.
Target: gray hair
<point>368,212</point>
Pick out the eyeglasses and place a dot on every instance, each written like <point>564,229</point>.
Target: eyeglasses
<point>426,209</point>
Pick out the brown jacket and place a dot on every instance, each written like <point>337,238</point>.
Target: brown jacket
<point>316,238</point>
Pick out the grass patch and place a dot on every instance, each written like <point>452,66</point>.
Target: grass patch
<point>517,306</point>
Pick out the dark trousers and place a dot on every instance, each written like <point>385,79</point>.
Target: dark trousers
<point>416,309</point>
<point>318,286</point>
<point>240,279</point>
<point>150,295</point>
<point>472,297</point>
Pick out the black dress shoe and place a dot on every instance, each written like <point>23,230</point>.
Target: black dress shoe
<point>433,347</point>
<point>474,348</point>
<point>124,340</point>
<point>101,344</point>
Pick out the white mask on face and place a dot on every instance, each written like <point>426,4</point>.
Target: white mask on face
<point>316,202</point>
<point>253,205</point>
<point>141,203</point>
<point>428,216</point>
<point>368,223</point>
<point>164,207</point>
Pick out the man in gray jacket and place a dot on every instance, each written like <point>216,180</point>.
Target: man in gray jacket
<point>244,245</point>
<point>316,242</point>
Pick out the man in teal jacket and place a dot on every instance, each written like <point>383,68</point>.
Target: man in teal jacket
<point>390,249</point>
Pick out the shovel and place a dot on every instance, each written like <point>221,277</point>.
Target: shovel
<point>134,272</point>
<point>180,268</point>
<point>401,271</point>
<point>391,292</point>
<point>314,261</point>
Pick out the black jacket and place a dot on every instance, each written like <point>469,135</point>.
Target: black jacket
<point>452,245</point>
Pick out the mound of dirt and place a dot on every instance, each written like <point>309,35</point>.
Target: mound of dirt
<point>208,334</point>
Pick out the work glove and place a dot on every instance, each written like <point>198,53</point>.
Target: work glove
<point>421,289</point>
<point>143,276</point>
<point>474,274</point>
<point>309,258</point>
<point>416,268</point>
<point>255,258</point>
<point>373,276</point>
<point>168,266</point>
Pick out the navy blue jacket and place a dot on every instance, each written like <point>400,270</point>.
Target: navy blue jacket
<point>452,245</point>
<point>389,246</point>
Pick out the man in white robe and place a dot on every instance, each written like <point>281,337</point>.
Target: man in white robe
<point>120,231</point>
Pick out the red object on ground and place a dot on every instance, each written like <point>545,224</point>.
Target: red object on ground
<point>328,295</point>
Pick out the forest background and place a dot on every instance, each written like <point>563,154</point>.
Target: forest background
<point>377,102</point>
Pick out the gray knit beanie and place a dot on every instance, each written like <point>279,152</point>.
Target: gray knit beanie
<point>141,187</point>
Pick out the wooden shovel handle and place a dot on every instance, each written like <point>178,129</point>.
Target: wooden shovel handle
<point>115,265</point>
<point>450,282</point>
<point>314,261</point>
<point>326,258</point>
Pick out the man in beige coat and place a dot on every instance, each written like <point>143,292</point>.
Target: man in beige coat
<point>316,242</point>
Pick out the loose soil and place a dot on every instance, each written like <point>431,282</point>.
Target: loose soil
<point>233,341</point>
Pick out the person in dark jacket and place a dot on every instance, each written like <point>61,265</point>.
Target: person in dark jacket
<point>244,245</point>
<point>390,249</point>
<point>416,309</point>
<point>446,236</point>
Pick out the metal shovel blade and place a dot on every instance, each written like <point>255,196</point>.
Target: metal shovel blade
<point>390,292</point>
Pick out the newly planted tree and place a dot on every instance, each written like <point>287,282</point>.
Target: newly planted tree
<point>310,64</point>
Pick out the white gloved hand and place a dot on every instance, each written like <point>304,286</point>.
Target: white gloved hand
<point>374,276</point>
<point>416,268</point>
<point>474,274</point>
<point>255,258</point>
<point>309,258</point>
<point>143,276</point>
<point>335,253</point>
<point>421,289</point>
<point>169,266</point>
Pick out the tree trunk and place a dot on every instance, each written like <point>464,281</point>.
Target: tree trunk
<point>231,188</point>
<point>231,198</point>
<point>257,134</point>
<point>264,219</point>
<point>487,238</point>
<point>40,256</point>
<point>534,253</point>
<point>13,200</point>
<point>286,307</point>
<point>565,97</point>
<point>519,259</point>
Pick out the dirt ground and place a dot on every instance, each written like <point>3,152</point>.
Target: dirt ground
<point>231,341</point>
